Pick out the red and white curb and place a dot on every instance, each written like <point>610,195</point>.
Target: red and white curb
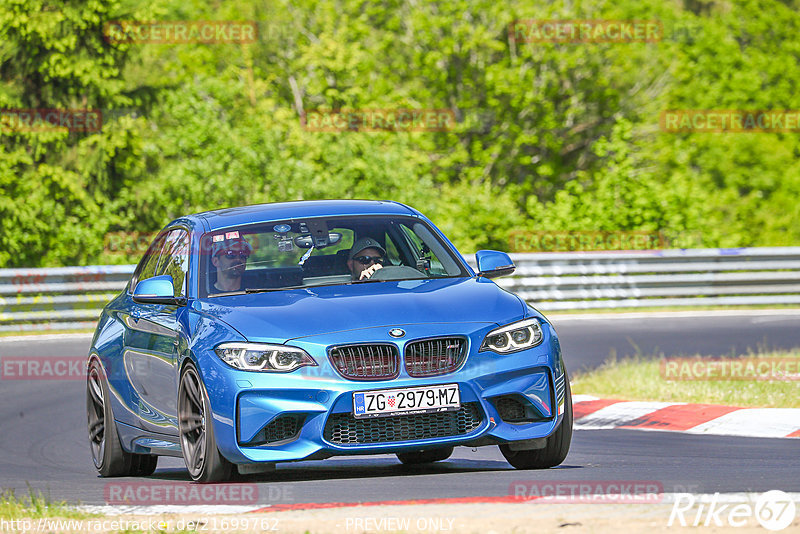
<point>592,413</point>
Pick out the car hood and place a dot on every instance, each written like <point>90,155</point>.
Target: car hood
<point>279,316</point>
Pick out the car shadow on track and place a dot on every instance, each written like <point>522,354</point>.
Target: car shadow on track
<point>347,469</point>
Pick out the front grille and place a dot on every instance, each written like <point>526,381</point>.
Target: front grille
<point>510,409</point>
<point>344,429</point>
<point>366,362</point>
<point>432,357</point>
<point>281,428</point>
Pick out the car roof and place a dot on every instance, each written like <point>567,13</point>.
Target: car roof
<point>228,217</point>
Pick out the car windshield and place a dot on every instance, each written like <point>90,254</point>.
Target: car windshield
<point>318,251</point>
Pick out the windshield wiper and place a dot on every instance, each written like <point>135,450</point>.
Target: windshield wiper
<point>268,289</point>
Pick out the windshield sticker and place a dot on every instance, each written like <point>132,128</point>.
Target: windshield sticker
<point>218,238</point>
<point>281,228</point>
<point>232,235</point>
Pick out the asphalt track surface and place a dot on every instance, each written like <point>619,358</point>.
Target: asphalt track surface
<point>43,437</point>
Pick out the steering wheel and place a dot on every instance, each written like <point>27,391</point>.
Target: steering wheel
<point>397,272</point>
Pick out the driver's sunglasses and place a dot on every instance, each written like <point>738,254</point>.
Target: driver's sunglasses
<point>231,254</point>
<point>366,260</point>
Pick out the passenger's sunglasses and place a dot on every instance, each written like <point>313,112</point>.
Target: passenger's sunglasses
<point>231,254</point>
<point>366,260</point>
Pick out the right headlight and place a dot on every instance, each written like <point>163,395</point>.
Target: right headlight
<point>263,357</point>
<point>516,336</point>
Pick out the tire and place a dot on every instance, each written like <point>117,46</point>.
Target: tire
<point>143,465</point>
<point>198,443</point>
<point>109,458</point>
<point>425,457</point>
<point>557,447</point>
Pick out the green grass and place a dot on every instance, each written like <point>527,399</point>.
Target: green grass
<point>640,378</point>
<point>35,505</point>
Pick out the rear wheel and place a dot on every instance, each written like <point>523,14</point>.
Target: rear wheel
<point>425,457</point>
<point>557,445</point>
<point>199,446</point>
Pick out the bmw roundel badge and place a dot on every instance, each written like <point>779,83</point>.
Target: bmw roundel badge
<point>397,332</point>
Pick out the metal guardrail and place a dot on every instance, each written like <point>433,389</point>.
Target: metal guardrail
<point>62,298</point>
<point>72,297</point>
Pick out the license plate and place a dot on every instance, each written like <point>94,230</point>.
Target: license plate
<point>425,399</point>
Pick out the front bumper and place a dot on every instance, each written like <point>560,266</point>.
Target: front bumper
<point>307,414</point>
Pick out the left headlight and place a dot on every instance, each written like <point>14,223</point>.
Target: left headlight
<point>263,357</point>
<point>513,337</point>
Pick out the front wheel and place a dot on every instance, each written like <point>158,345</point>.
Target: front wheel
<point>557,447</point>
<point>109,458</point>
<point>198,443</point>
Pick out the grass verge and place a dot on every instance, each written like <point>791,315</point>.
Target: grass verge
<point>34,333</point>
<point>35,505</point>
<point>642,378</point>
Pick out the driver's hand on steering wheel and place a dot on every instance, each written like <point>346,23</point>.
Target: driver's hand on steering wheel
<point>369,271</point>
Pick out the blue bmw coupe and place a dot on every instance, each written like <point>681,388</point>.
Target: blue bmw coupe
<point>305,330</point>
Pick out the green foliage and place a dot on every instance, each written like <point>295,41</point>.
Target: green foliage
<point>548,136</point>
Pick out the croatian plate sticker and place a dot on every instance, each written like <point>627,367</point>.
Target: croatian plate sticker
<point>406,401</point>
<point>218,238</point>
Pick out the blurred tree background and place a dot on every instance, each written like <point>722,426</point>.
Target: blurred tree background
<point>548,136</point>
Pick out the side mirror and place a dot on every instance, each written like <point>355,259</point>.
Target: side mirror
<point>157,290</point>
<point>492,263</point>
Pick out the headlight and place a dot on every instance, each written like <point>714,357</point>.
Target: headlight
<point>516,336</point>
<point>263,357</point>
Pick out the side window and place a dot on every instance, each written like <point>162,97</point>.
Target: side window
<point>423,251</point>
<point>392,254</point>
<point>147,266</point>
<point>175,259</point>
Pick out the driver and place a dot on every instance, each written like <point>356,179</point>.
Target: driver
<point>229,257</point>
<point>365,258</point>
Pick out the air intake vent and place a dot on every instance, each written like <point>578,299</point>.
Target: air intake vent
<point>283,428</point>
<point>344,429</point>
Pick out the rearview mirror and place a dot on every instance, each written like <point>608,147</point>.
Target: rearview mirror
<point>307,241</point>
<point>492,263</point>
<point>157,290</point>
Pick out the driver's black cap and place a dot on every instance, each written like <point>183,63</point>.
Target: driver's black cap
<point>365,242</point>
